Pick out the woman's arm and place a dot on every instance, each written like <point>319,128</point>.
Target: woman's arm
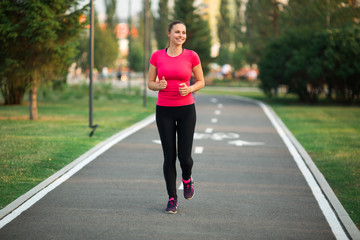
<point>199,82</point>
<point>152,84</point>
<point>199,79</point>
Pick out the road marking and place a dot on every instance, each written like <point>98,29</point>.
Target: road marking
<point>220,105</point>
<point>214,100</point>
<point>157,141</point>
<point>214,120</point>
<point>217,112</point>
<point>241,143</point>
<point>199,150</point>
<point>208,130</point>
<point>217,136</point>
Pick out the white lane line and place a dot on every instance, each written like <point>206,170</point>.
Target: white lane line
<point>199,150</point>
<point>208,130</point>
<point>214,120</point>
<point>213,100</point>
<point>84,159</point>
<point>220,105</point>
<point>217,112</point>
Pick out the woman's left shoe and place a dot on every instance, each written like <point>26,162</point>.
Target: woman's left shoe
<point>188,189</point>
<point>172,206</point>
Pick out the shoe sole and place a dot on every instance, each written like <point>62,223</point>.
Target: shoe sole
<point>171,212</point>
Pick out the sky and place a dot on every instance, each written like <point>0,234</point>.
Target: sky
<point>122,9</point>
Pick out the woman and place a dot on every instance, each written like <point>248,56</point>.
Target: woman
<point>169,73</point>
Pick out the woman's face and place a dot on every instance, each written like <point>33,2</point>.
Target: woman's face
<point>177,35</point>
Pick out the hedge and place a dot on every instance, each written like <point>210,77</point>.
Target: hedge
<point>313,64</point>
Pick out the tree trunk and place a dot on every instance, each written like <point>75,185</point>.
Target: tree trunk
<point>33,100</point>
<point>12,91</point>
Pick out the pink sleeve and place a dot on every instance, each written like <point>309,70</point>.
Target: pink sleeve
<point>153,59</point>
<point>195,60</point>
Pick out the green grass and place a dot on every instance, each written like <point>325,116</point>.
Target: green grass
<point>331,136</point>
<point>31,151</point>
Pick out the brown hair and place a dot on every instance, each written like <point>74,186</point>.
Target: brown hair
<point>171,25</point>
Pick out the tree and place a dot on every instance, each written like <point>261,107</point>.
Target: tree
<point>161,24</point>
<point>111,19</point>
<point>38,41</point>
<point>238,25</point>
<point>224,34</point>
<point>262,24</point>
<point>106,47</point>
<point>318,15</point>
<point>137,55</point>
<point>238,58</point>
<point>224,24</point>
<point>307,62</point>
<point>197,30</point>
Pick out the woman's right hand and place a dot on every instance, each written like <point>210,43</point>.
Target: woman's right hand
<point>162,83</point>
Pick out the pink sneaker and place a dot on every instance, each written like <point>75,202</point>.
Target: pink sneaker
<point>188,189</point>
<point>171,206</point>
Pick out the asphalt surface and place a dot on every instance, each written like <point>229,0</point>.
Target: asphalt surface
<point>247,186</point>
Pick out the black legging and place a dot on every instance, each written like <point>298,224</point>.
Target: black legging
<point>172,120</point>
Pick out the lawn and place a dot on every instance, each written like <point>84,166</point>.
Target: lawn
<point>331,135</point>
<point>31,151</point>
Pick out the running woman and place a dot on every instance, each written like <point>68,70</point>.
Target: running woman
<point>169,73</point>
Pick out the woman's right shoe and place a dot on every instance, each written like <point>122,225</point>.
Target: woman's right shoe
<point>172,206</point>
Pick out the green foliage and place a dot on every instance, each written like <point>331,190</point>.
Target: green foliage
<point>262,25</point>
<point>224,24</point>
<point>37,41</point>
<point>161,24</point>
<point>197,29</point>
<point>111,19</point>
<point>232,51</point>
<point>307,62</point>
<point>268,19</point>
<point>137,56</point>
<point>224,56</point>
<point>105,48</point>
<point>318,15</point>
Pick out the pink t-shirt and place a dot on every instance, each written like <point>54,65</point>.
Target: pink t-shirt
<point>176,70</point>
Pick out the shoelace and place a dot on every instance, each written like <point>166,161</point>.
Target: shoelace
<point>172,203</point>
<point>187,186</point>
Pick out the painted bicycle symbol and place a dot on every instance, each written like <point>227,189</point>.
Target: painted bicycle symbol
<point>220,136</point>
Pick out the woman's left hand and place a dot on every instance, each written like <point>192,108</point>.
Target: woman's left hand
<point>184,89</point>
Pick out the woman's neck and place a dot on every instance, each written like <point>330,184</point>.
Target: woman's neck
<point>174,51</point>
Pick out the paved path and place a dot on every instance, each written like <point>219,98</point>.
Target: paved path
<point>247,185</point>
